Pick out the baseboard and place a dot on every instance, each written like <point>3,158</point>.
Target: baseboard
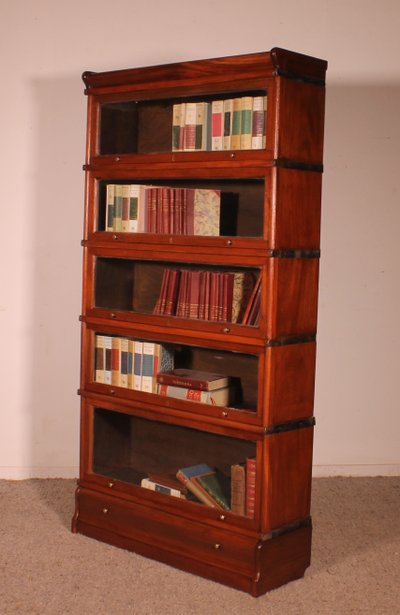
<point>356,470</point>
<point>23,473</point>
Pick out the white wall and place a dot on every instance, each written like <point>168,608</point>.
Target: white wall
<point>45,46</point>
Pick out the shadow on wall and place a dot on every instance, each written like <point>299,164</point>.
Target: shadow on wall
<point>359,336</point>
<point>58,203</point>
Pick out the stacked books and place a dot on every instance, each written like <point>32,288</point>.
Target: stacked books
<point>135,208</point>
<point>207,295</point>
<point>232,123</point>
<point>129,363</point>
<point>200,386</point>
<point>235,493</point>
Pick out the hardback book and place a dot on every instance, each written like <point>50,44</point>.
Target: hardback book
<point>236,123</point>
<point>228,117</point>
<point>99,359</point>
<point>219,397</point>
<point>116,361</point>
<point>238,489</point>
<point>153,485</point>
<point>189,138</point>
<point>168,479</point>
<point>137,365</point>
<point>188,476</point>
<point>124,362</point>
<point>110,207</point>
<point>118,207</point>
<point>243,286</point>
<point>107,359</point>
<point>216,485</point>
<point>131,355</point>
<point>193,379</point>
<point>217,114</point>
<point>148,366</point>
<point>246,122</point>
<point>203,211</point>
<point>258,123</point>
<point>176,121</point>
<point>203,118</point>
<point>250,313</point>
<point>250,486</point>
<point>125,207</point>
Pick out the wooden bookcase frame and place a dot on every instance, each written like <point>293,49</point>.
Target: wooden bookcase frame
<point>128,127</point>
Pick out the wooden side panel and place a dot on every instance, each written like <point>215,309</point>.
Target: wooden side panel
<point>297,209</point>
<point>290,383</point>
<point>301,122</point>
<point>286,490</point>
<point>293,294</point>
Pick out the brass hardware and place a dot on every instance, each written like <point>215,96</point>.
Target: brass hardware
<point>222,517</point>
<point>105,511</point>
<point>229,242</point>
<point>113,315</point>
<point>224,413</point>
<point>112,391</point>
<point>217,546</point>
<point>111,484</point>
<point>117,158</point>
<point>115,237</point>
<point>226,329</point>
<point>232,155</point>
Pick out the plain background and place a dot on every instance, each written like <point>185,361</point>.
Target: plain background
<point>45,46</point>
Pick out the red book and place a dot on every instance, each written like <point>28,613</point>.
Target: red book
<point>160,305</point>
<point>250,486</point>
<point>257,288</point>
<point>194,294</point>
<point>194,379</point>
<point>172,292</point>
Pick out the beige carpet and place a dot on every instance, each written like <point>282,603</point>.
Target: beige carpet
<point>47,570</point>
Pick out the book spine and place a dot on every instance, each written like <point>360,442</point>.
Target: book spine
<point>176,120</point>
<point>116,361</point>
<point>238,489</point>
<point>110,207</point>
<point>131,354</point>
<point>99,358</point>
<point>236,123</point>
<point>217,111</point>
<point>125,208</point>
<point>182,119</point>
<point>148,366</point>
<point>118,208</point>
<point>250,486</point>
<point>137,365</point>
<point>124,362</point>
<point>228,117</point>
<point>258,127</point>
<point>246,122</point>
<point>133,208</point>
<point>107,359</point>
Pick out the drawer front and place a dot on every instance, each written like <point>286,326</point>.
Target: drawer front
<point>168,532</point>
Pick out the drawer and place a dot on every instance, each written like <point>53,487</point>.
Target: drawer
<point>197,541</point>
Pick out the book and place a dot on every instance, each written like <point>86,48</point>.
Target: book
<point>238,489</point>
<point>193,379</point>
<point>116,361</point>
<point>203,211</point>
<point>153,485</point>
<point>219,397</point>
<point>217,486</point>
<point>217,111</point>
<point>107,359</point>
<point>188,476</point>
<point>250,486</point>
<point>176,120</point>
<point>228,117</point>
<point>189,137</point>
<point>124,362</point>
<point>203,114</point>
<point>236,123</point>
<point>258,123</point>
<point>137,365</point>
<point>118,207</point>
<point>110,207</point>
<point>99,358</point>
<point>246,116</point>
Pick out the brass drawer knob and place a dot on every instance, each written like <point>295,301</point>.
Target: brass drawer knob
<point>222,517</point>
<point>111,484</point>
<point>105,511</point>
<point>217,546</point>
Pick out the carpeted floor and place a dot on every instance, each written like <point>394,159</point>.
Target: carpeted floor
<point>47,570</point>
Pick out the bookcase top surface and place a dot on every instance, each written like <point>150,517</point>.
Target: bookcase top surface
<point>224,69</point>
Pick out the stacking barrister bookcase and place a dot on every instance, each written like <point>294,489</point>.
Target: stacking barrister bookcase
<point>200,282</point>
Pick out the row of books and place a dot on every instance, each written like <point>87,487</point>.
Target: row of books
<point>210,486</point>
<point>226,296</point>
<point>137,208</point>
<point>130,363</point>
<point>232,123</point>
